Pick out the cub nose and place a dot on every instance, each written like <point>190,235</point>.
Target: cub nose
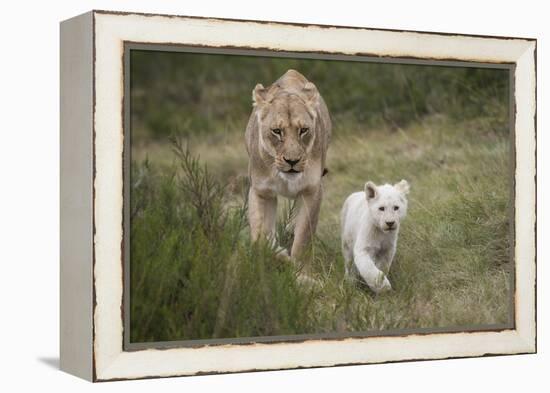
<point>291,162</point>
<point>390,223</point>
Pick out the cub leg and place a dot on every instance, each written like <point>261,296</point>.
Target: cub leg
<point>347,248</point>
<point>386,259</point>
<point>262,213</point>
<point>374,277</point>
<point>347,252</point>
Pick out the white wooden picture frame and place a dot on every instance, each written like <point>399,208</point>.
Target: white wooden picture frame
<point>92,194</point>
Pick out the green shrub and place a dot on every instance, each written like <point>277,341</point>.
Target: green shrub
<point>194,273</point>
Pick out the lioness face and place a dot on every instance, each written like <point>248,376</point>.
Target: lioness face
<point>287,131</point>
<point>387,204</point>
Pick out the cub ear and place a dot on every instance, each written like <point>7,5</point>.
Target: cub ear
<point>370,190</point>
<point>311,93</point>
<point>259,95</point>
<point>403,187</point>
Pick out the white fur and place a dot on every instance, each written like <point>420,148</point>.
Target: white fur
<point>367,239</point>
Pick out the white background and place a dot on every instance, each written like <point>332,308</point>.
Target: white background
<point>29,196</point>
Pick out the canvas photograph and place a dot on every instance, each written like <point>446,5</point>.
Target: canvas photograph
<point>278,197</point>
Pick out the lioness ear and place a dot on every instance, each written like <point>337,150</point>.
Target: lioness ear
<point>311,93</point>
<point>370,190</point>
<point>259,95</point>
<point>403,187</point>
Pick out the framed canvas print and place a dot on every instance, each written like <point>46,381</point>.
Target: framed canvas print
<point>245,195</point>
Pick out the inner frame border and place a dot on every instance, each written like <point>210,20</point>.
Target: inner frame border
<point>239,51</point>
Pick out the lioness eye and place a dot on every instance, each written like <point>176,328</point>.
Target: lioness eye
<point>381,208</point>
<point>396,208</point>
<point>303,131</point>
<point>276,131</point>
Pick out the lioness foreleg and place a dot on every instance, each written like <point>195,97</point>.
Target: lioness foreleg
<point>306,220</point>
<point>262,213</point>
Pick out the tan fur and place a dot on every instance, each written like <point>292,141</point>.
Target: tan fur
<point>289,129</point>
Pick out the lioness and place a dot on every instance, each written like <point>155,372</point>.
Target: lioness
<point>287,138</point>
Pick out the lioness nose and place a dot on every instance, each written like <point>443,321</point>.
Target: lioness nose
<point>390,223</point>
<point>291,162</point>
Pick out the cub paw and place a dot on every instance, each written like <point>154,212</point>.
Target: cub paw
<point>386,285</point>
<point>382,284</point>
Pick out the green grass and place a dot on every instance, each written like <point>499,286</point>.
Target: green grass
<point>195,274</point>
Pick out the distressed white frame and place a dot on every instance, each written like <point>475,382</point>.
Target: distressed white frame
<point>111,30</point>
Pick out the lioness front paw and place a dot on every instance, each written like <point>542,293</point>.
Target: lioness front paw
<point>282,253</point>
<point>306,279</point>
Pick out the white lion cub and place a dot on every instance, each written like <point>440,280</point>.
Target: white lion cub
<point>370,224</point>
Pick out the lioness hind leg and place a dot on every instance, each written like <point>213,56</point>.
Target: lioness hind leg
<point>262,213</point>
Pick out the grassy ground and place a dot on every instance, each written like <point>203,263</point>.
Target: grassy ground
<point>194,273</point>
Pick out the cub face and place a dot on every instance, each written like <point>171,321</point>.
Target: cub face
<point>387,204</point>
<point>287,126</point>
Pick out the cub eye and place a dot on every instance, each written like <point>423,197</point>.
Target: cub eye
<point>396,208</point>
<point>304,131</point>
<point>276,131</point>
<point>381,208</point>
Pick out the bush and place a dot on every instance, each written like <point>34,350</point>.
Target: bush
<point>194,273</point>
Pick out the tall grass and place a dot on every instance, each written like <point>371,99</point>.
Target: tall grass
<point>194,273</point>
